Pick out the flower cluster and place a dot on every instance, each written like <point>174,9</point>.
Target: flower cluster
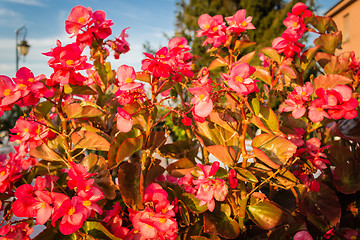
<point>205,185</point>
<point>87,25</point>
<point>173,61</point>
<point>156,221</point>
<point>19,231</point>
<point>288,42</point>
<point>334,103</point>
<point>119,45</point>
<point>216,31</point>
<point>23,90</point>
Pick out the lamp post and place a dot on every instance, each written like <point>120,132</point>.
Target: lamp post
<point>22,47</point>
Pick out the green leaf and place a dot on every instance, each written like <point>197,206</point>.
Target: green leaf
<point>51,233</point>
<point>245,175</point>
<point>267,120</point>
<point>329,42</point>
<point>225,154</point>
<point>43,108</point>
<point>180,167</point>
<point>224,120</point>
<point>180,149</point>
<point>185,216</point>
<point>271,53</point>
<point>45,153</point>
<point>262,74</point>
<point>218,62</point>
<point>273,150</point>
<point>324,24</point>
<point>81,110</point>
<point>266,214</point>
<point>79,90</point>
<point>239,44</point>
<point>103,180</point>
<point>129,183</point>
<point>193,203</point>
<point>284,179</point>
<point>332,64</point>
<point>330,81</point>
<point>89,140</point>
<point>98,231</point>
<point>219,223</point>
<point>124,146</point>
<point>307,56</point>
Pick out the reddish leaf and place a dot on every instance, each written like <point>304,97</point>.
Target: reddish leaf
<point>262,74</point>
<point>218,62</point>
<point>273,150</point>
<point>143,76</point>
<point>225,154</point>
<point>89,140</point>
<point>129,183</point>
<point>330,81</point>
<point>324,24</point>
<point>266,214</point>
<point>267,120</point>
<point>332,64</point>
<point>287,71</point>
<point>103,180</point>
<point>180,167</point>
<point>45,153</point>
<point>81,110</point>
<point>247,58</point>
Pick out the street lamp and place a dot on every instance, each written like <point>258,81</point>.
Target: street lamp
<point>22,48</point>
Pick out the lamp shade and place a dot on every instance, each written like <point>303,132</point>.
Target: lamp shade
<point>23,48</point>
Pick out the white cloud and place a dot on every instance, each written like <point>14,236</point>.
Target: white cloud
<point>28,2</point>
<point>8,13</point>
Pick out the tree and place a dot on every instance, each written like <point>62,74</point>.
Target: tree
<point>267,18</point>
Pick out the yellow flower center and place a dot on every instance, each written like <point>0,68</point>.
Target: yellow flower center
<point>303,93</point>
<point>86,203</point>
<point>136,231</point>
<point>26,130</point>
<point>181,46</point>
<point>162,220</point>
<point>31,80</point>
<point>319,109</point>
<point>162,56</point>
<point>22,86</point>
<point>239,79</point>
<point>43,205</point>
<point>201,97</point>
<point>69,62</point>
<point>207,26</point>
<point>7,92</point>
<point>244,23</point>
<point>128,80</point>
<point>2,173</point>
<point>71,211</point>
<point>81,20</point>
<point>149,226</point>
<point>215,29</point>
<point>164,210</point>
<point>88,187</point>
<point>294,24</point>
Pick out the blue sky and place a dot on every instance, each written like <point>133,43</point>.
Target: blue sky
<point>148,21</point>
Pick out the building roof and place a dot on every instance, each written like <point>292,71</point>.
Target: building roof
<point>337,8</point>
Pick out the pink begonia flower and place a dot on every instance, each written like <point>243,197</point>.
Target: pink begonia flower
<point>73,214</point>
<point>157,64</point>
<point>238,23</point>
<point>292,21</point>
<point>178,43</point>
<point>119,45</point>
<point>124,121</point>
<point>203,104</point>
<point>232,178</point>
<point>341,103</point>
<point>126,76</point>
<point>302,235</point>
<point>78,175</point>
<point>115,221</point>
<point>316,110</point>
<point>239,80</point>
<point>78,18</point>
<point>316,155</point>
<point>264,60</point>
<point>210,25</point>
